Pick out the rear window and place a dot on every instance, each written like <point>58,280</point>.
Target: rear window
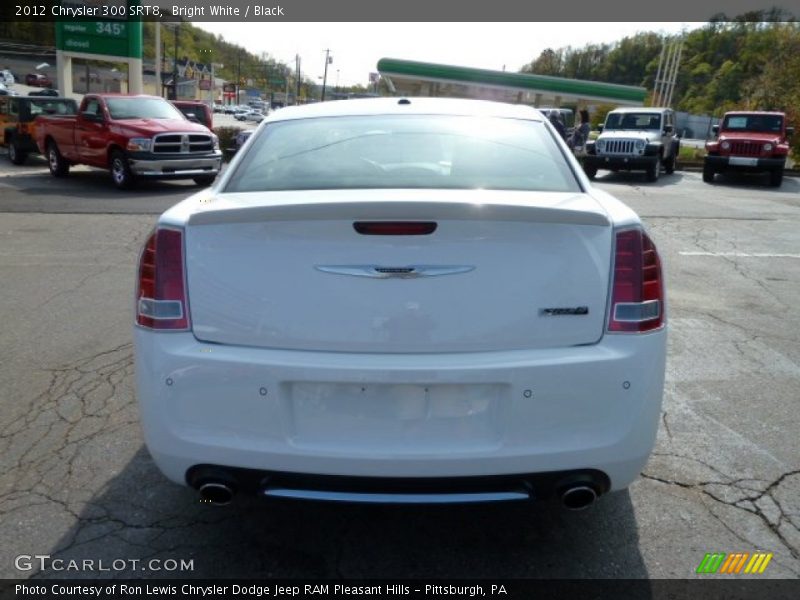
<point>414,151</point>
<point>45,106</point>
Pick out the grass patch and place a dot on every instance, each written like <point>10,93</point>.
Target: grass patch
<point>690,154</point>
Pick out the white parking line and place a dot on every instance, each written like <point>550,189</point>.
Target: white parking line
<point>740,254</point>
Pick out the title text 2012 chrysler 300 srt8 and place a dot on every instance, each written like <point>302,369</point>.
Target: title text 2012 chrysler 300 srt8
<point>401,300</point>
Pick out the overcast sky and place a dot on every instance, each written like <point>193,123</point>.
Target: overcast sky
<point>357,47</point>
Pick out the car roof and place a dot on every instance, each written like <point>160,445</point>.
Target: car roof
<point>755,112</point>
<point>403,106</point>
<point>640,109</point>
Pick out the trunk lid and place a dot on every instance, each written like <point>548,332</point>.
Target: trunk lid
<point>501,271</point>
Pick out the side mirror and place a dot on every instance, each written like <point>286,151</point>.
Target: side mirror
<point>668,130</point>
<point>600,128</point>
<point>715,129</point>
<point>789,132</point>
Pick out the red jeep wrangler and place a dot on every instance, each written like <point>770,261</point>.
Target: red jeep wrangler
<point>749,141</point>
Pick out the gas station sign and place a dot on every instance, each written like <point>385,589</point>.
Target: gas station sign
<point>117,36</point>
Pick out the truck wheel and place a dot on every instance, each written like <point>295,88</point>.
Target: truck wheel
<point>121,172</point>
<point>654,170</point>
<point>776,178</point>
<point>591,172</point>
<point>669,165</point>
<point>708,174</point>
<point>58,166</point>
<point>204,180</point>
<point>15,155</point>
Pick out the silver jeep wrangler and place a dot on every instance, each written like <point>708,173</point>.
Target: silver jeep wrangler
<point>634,139</point>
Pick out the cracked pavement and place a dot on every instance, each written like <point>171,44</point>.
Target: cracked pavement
<point>77,483</point>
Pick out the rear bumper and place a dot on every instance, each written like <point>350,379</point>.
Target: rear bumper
<point>590,407</point>
<point>633,163</point>
<point>209,164</point>
<point>728,163</point>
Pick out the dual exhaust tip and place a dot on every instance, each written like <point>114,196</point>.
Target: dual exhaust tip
<point>576,497</point>
<point>216,492</point>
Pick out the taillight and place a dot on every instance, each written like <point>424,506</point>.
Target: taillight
<point>161,290</point>
<point>637,293</point>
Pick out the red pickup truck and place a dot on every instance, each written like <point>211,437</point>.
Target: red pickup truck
<point>133,137</point>
<point>749,141</point>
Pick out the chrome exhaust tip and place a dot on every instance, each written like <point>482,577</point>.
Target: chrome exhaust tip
<point>219,494</point>
<point>578,497</point>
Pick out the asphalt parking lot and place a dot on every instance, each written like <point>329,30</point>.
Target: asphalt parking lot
<point>77,483</point>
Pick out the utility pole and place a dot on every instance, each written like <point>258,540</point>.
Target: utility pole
<point>238,75</point>
<point>328,60</point>
<point>297,79</point>
<point>159,87</point>
<point>175,65</point>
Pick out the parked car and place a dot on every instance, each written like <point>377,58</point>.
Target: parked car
<point>38,80</point>
<point>18,122</point>
<point>239,140</point>
<point>132,136</point>
<point>218,108</point>
<point>229,109</point>
<point>199,112</point>
<point>241,113</point>
<point>403,300</point>
<point>254,115</point>
<point>7,91</point>
<point>635,139</point>
<point>44,92</point>
<point>749,141</point>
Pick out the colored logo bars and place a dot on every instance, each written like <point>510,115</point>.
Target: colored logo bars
<point>739,562</point>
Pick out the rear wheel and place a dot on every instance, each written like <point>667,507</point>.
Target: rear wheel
<point>708,174</point>
<point>15,154</point>
<point>776,178</point>
<point>205,180</point>
<point>654,170</point>
<point>591,172</point>
<point>121,172</point>
<point>58,166</point>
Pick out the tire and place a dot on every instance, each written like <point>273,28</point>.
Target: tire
<point>121,173</point>
<point>591,172</point>
<point>669,165</point>
<point>204,180</point>
<point>15,155</point>
<point>58,166</point>
<point>653,171</point>
<point>708,174</point>
<point>776,178</point>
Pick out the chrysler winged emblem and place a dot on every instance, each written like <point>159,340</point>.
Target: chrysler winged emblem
<point>385,272</point>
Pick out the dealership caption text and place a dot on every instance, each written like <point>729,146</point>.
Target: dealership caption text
<point>188,11</point>
<point>200,591</point>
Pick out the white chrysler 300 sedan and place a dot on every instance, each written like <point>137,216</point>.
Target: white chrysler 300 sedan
<point>401,300</point>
